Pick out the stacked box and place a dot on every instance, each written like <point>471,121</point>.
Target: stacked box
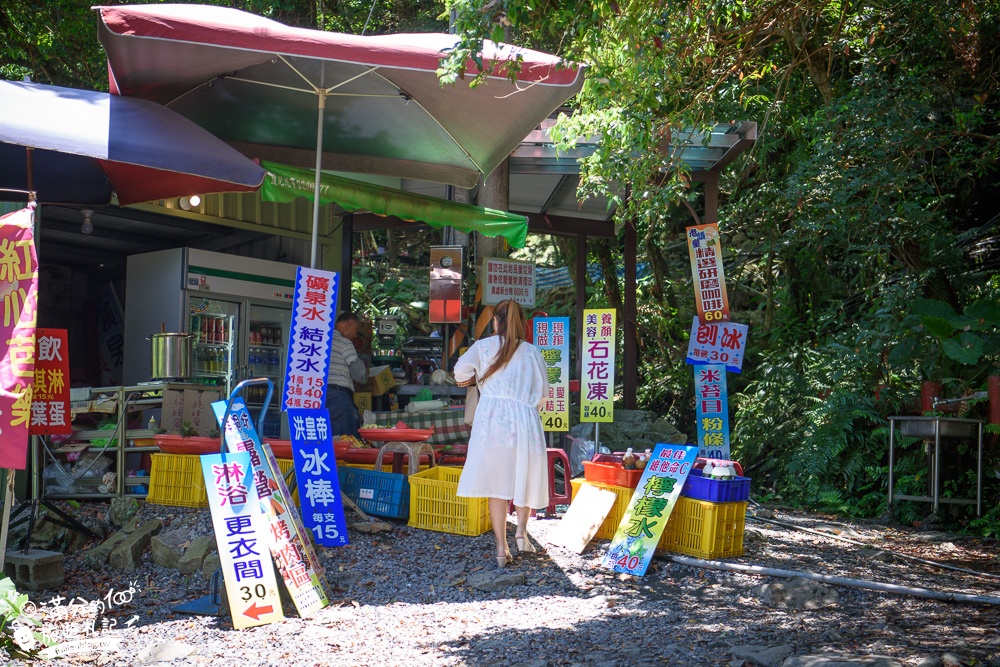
<point>697,528</point>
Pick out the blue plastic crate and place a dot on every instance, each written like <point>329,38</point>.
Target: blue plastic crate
<point>716,490</point>
<point>379,493</point>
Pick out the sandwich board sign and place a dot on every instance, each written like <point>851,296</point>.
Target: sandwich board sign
<point>241,535</point>
<point>287,539</point>
<point>649,509</point>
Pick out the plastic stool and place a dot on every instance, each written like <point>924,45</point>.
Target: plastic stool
<point>563,498</point>
<point>412,449</point>
<point>558,498</point>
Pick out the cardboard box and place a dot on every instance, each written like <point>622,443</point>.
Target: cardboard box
<point>363,399</point>
<point>380,381</point>
<point>189,405</point>
<point>198,409</point>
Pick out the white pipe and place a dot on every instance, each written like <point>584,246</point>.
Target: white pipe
<point>321,96</point>
<point>837,581</point>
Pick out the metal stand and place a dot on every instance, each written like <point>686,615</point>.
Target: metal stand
<point>64,520</point>
<point>933,429</point>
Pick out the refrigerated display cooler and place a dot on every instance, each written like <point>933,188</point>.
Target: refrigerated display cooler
<point>237,309</point>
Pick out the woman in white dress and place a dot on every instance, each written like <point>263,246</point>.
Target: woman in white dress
<point>506,458</point>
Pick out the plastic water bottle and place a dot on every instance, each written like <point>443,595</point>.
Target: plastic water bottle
<point>628,460</point>
<point>708,471</point>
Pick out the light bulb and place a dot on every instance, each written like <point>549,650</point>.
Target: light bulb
<point>195,200</point>
<point>87,227</point>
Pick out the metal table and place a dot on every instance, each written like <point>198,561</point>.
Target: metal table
<point>935,429</point>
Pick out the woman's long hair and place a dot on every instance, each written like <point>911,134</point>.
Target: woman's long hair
<point>510,327</point>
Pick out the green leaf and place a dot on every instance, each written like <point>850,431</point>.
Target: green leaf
<point>938,327</point>
<point>965,349</point>
<point>933,308</point>
<point>986,311</point>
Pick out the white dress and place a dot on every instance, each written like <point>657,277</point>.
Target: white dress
<point>506,457</point>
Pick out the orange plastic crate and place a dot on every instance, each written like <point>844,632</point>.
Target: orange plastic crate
<point>610,473</point>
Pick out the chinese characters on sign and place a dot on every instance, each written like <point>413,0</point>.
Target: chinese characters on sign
<point>705,249</point>
<point>241,535</point>
<point>649,509</point>
<point>717,343</point>
<point>711,411</point>
<point>19,288</point>
<point>597,383</point>
<point>314,309</point>
<point>50,393</point>
<point>297,566</point>
<point>508,279</point>
<point>110,336</point>
<point>552,339</point>
<point>316,476</point>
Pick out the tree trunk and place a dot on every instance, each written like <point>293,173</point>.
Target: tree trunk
<point>606,259</point>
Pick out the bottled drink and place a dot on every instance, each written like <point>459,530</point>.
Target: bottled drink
<point>628,461</point>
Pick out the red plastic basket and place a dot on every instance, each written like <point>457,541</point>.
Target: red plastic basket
<point>396,434</point>
<point>610,473</point>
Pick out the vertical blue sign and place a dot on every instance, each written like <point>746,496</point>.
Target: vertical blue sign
<point>316,475</point>
<point>711,404</point>
<point>314,310</point>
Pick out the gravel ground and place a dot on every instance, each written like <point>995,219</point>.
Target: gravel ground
<point>403,597</point>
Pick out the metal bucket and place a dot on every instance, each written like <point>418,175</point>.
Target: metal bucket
<point>171,358</point>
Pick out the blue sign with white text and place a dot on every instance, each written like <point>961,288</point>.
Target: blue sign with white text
<point>314,310</point>
<point>316,476</point>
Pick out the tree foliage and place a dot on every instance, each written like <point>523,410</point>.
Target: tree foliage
<point>871,186</point>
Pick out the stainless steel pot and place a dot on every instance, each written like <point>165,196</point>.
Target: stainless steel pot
<point>171,356</point>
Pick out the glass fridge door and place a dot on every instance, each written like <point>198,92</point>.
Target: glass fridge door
<point>215,326</point>
<point>267,351</point>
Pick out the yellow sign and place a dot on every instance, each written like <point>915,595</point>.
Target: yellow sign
<point>597,380</point>
<point>552,340</point>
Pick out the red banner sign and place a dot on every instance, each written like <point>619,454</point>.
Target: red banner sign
<point>19,290</point>
<point>50,396</point>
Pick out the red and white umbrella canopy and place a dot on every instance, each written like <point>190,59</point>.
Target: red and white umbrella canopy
<point>257,84</point>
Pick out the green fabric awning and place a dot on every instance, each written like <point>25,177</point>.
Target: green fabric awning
<point>283,184</point>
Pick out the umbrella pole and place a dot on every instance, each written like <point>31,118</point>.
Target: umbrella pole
<point>321,94</point>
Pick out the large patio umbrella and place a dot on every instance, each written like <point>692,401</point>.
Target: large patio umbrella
<point>78,147</point>
<point>324,100</point>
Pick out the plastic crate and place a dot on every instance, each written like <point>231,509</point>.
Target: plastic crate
<point>378,493</point>
<point>705,529</point>
<point>176,480</point>
<point>434,504</point>
<point>286,465</point>
<point>699,487</point>
<point>610,473</point>
<point>623,496</point>
<point>696,527</point>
